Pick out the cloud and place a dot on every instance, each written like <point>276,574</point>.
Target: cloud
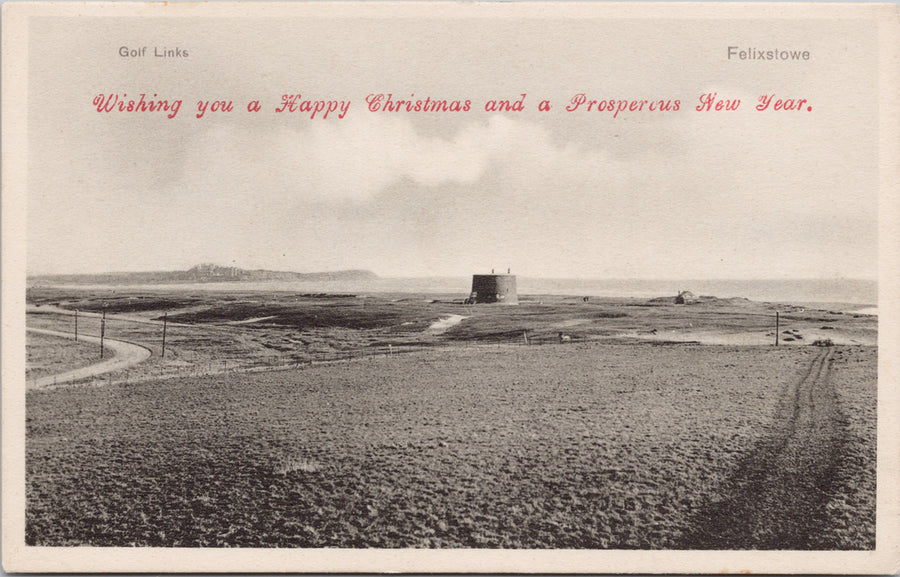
<point>358,157</point>
<point>703,196</point>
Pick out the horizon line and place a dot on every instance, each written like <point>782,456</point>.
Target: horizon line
<point>465,275</point>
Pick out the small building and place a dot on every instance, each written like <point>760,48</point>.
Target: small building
<point>685,298</point>
<point>494,288</point>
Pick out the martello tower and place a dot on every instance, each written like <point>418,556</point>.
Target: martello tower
<point>494,288</point>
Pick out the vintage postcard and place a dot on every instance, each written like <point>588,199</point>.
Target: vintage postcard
<point>457,287</point>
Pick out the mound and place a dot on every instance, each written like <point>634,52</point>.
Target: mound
<point>703,299</point>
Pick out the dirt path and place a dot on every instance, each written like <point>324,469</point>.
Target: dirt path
<point>125,355</point>
<point>777,497</point>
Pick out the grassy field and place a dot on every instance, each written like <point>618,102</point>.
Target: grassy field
<point>622,436</point>
<point>601,446</point>
<point>49,355</point>
<point>210,333</point>
<point>850,510</point>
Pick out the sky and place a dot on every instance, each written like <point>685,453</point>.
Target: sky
<point>686,194</point>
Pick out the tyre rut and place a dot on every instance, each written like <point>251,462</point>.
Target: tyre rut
<point>776,498</point>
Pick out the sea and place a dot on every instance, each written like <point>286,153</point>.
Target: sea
<point>861,292</point>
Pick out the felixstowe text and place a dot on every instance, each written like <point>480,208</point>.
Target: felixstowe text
<point>736,53</point>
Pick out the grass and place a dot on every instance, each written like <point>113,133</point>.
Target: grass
<point>466,439</point>
<point>314,315</point>
<point>565,446</point>
<point>50,355</point>
<point>111,301</point>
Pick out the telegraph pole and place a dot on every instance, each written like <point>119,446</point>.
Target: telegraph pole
<point>102,331</point>
<point>165,316</point>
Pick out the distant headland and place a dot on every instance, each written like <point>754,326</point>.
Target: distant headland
<point>205,272</point>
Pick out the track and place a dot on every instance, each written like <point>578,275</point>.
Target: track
<point>126,355</point>
<point>777,497</point>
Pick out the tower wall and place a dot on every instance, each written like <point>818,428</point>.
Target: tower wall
<point>495,288</point>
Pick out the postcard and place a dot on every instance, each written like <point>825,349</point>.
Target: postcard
<point>563,287</point>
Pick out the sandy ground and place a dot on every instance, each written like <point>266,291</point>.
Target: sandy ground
<point>250,321</point>
<point>755,338</point>
<point>444,324</point>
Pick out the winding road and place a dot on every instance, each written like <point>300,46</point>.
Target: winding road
<point>125,355</point>
<point>777,497</point>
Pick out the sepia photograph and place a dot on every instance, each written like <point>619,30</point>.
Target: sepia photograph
<point>375,286</point>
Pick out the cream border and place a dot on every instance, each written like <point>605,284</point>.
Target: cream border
<point>17,558</point>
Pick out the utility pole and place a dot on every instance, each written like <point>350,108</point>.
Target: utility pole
<point>102,331</point>
<point>165,317</point>
<point>777,328</point>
